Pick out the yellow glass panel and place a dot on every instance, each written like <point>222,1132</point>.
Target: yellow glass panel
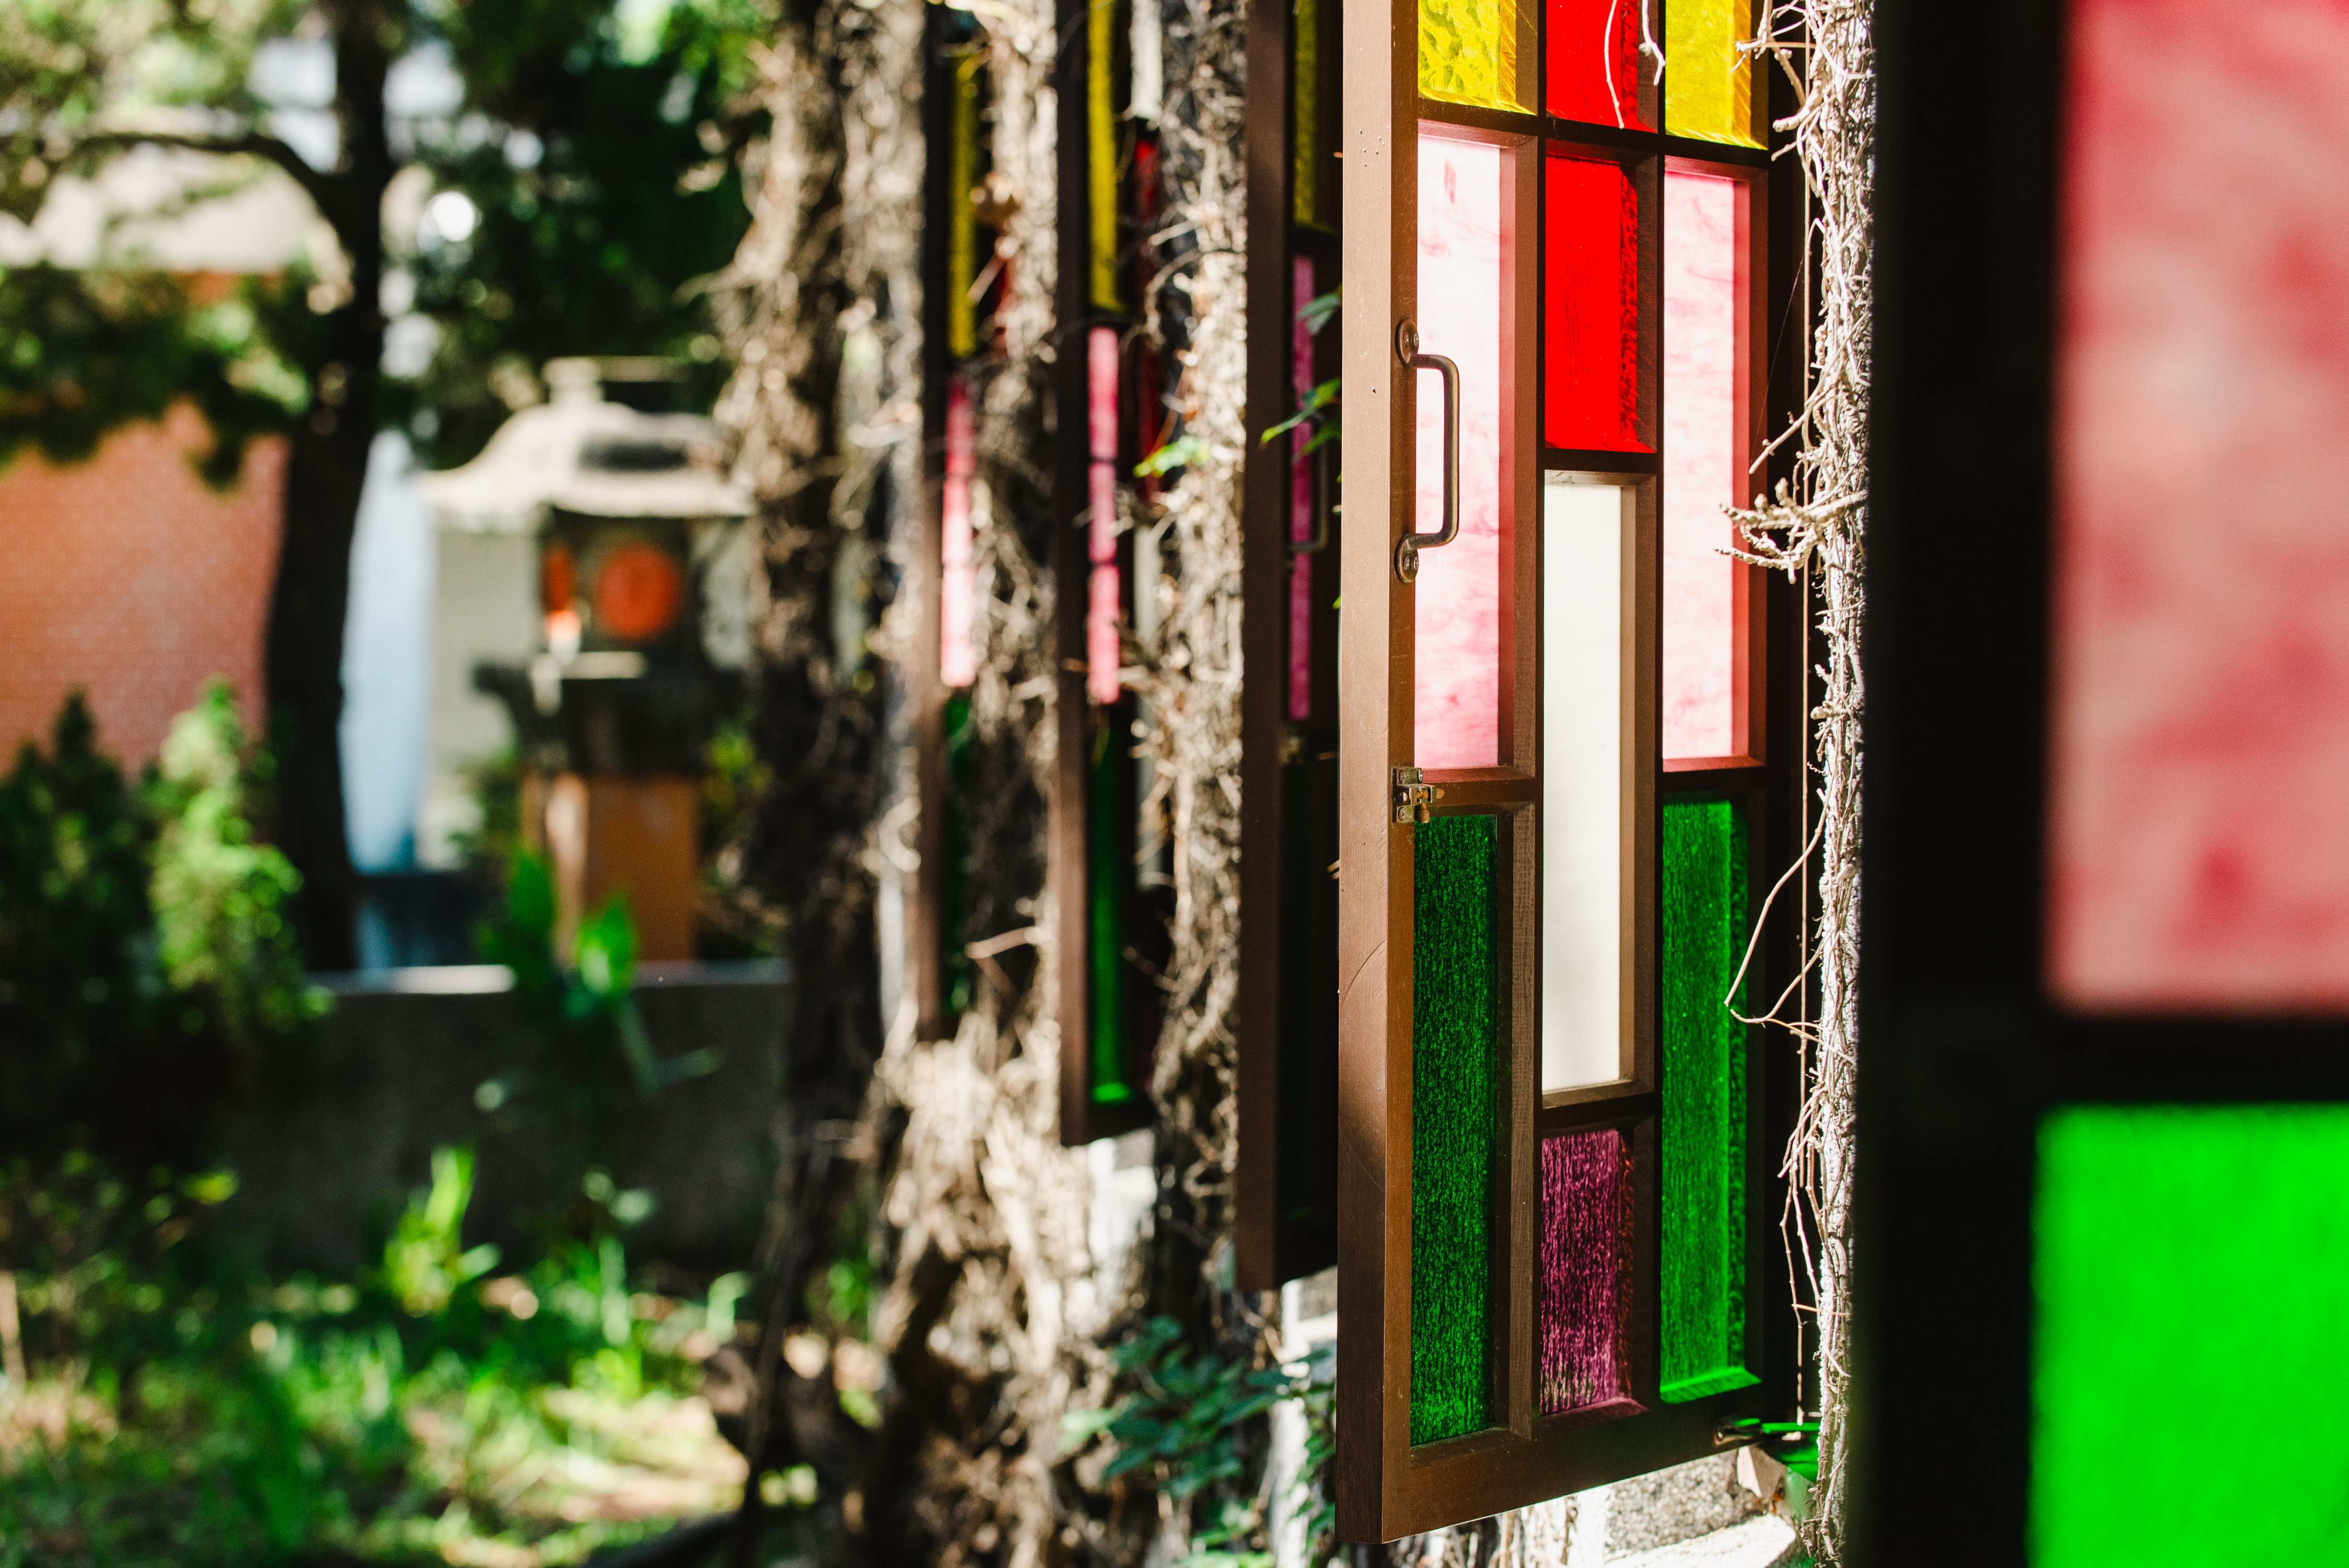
<point>962,221</point>
<point>1468,53</point>
<point>1100,152</point>
<point>1305,99</point>
<point>1708,85</point>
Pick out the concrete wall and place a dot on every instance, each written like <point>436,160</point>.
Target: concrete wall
<point>320,1172</point>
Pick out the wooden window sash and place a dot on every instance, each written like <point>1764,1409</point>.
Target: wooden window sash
<point>1385,1486</point>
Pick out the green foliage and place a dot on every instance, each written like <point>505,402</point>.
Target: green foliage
<point>606,187</point>
<point>179,1410</point>
<point>591,1067</point>
<point>88,351</point>
<point>219,898</point>
<point>426,1259</point>
<point>1179,453</point>
<point>146,975</point>
<point>1190,1421</point>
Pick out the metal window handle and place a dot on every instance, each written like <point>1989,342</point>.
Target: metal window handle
<point>1407,551</point>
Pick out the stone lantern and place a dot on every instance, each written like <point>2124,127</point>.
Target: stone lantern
<point>643,628</point>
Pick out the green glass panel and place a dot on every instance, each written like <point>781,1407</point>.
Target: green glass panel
<point>1106,868</point>
<point>2187,1365</point>
<point>1455,1024</point>
<point>1708,85</point>
<point>953,882</point>
<point>1704,1083</point>
<point>1468,53</point>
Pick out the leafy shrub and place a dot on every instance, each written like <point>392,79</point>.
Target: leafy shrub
<point>147,972</point>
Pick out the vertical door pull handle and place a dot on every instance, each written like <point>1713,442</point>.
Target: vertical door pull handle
<point>1407,551</point>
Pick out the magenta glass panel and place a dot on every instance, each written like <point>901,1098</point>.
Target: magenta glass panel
<point>1586,1276</point>
<point>1701,410</point>
<point>1101,540</point>
<point>957,663</point>
<point>1463,275</point>
<point>1594,62</point>
<point>2200,736</point>
<point>1301,503</point>
<point>1590,288</point>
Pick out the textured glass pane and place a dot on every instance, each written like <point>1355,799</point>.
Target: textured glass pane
<point>1100,149</point>
<point>1454,1123</point>
<point>1585,550</point>
<point>2189,1259</point>
<point>1708,85</point>
<point>1301,501</point>
<point>1586,1269</point>
<point>1594,62</point>
<point>1463,273</point>
<point>1107,866</point>
<point>1103,651</point>
<point>1701,410</point>
<point>1703,1085</point>
<point>962,217</point>
<point>1305,111</point>
<point>958,582</point>
<point>1468,53</point>
<point>1591,285</point>
<point>2201,592</point>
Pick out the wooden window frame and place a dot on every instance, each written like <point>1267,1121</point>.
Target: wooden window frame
<point>1385,1486</point>
<point>1076,313</point>
<point>1285,1217</point>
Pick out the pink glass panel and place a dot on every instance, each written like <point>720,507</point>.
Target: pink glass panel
<point>2200,829</point>
<point>1101,540</point>
<point>957,662</point>
<point>1300,507</point>
<point>1593,61</point>
<point>1463,273</point>
<point>1585,1249</point>
<point>1700,409</point>
<point>1591,287</point>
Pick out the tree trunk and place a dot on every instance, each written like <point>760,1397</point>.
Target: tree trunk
<point>324,481</point>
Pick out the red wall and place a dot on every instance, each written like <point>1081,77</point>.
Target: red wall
<point>127,577</point>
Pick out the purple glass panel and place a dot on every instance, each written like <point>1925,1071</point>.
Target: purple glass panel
<point>1585,1282</point>
<point>1462,274</point>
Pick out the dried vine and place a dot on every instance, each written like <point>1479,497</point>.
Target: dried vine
<point>1816,528</point>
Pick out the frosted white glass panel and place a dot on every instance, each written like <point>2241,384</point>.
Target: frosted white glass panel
<point>1586,551</point>
<point>1462,274</point>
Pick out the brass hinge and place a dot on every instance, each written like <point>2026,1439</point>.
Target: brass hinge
<point>1413,795</point>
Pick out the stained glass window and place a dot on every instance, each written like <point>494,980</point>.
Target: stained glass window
<point>1590,354</point>
<point>1703,409</point>
<point>1470,52</point>
<point>1709,82</point>
<point>1594,62</point>
<point>1462,274</point>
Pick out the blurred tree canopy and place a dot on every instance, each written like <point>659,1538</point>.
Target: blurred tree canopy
<point>561,201</point>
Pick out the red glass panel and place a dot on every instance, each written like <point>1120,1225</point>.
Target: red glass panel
<point>2201,735</point>
<point>1462,277</point>
<point>958,659</point>
<point>1593,61</point>
<point>1590,286</point>
<point>1700,412</point>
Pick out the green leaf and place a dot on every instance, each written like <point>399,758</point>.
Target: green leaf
<point>1320,397</point>
<point>1180,452</point>
<point>1320,311</point>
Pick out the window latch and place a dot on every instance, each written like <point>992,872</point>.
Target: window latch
<point>1413,795</point>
